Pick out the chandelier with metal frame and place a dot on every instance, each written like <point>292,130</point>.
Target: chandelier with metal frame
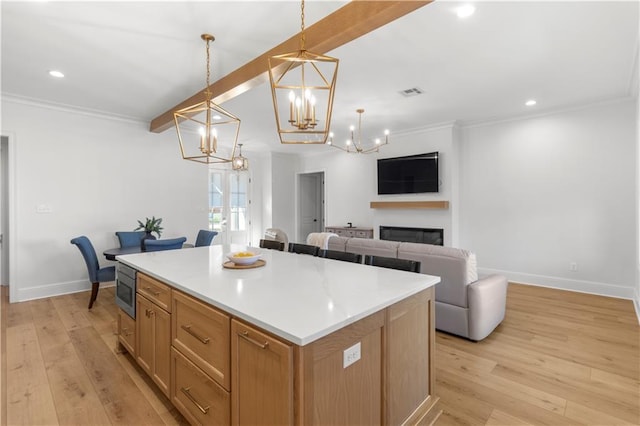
<point>239,162</point>
<point>302,86</point>
<point>354,144</point>
<point>201,127</point>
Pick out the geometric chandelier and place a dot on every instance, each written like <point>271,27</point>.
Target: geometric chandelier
<point>354,143</point>
<point>202,126</point>
<point>302,86</point>
<point>240,163</point>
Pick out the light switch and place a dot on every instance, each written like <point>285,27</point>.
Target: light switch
<point>44,208</point>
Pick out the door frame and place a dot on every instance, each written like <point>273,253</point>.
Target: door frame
<point>227,175</point>
<point>11,257</point>
<point>322,201</point>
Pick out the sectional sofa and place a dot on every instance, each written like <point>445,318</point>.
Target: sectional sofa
<point>466,305</point>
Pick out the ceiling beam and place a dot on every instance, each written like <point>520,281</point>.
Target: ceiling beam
<point>346,24</point>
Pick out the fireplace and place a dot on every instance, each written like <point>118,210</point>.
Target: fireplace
<point>433,236</point>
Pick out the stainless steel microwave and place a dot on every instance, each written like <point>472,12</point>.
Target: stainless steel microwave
<point>126,289</point>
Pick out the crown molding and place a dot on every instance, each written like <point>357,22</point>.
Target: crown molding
<point>40,103</point>
<point>544,113</point>
<point>433,127</point>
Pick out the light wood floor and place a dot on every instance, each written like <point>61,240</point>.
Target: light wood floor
<point>558,358</point>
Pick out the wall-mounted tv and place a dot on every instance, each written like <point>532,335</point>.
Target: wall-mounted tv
<point>408,175</point>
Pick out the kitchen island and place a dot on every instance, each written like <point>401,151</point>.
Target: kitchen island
<point>300,340</point>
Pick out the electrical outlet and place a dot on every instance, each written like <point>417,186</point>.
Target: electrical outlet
<point>351,355</point>
<point>573,267</point>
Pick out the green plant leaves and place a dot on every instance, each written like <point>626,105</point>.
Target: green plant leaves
<point>151,225</point>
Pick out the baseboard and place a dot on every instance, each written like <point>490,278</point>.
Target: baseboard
<point>591,287</point>
<point>636,303</point>
<point>56,289</point>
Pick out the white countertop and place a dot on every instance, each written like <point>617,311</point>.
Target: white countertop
<point>297,297</point>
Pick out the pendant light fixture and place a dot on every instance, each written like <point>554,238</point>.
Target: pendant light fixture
<point>240,163</point>
<point>354,144</point>
<point>201,127</point>
<point>302,86</point>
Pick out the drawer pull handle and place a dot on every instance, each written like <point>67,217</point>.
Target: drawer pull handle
<point>150,290</point>
<point>187,328</point>
<point>185,391</point>
<point>245,336</point>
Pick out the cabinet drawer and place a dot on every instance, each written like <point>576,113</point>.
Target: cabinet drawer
<point>127,332</point>
<point>201,333</point>
<point>154,290</point>
<point>362,234</point>
<point>201,400</point>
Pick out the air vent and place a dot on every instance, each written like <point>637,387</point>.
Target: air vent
<point>414,91</point>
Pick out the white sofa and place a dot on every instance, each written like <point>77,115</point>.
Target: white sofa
<point>465,305</point>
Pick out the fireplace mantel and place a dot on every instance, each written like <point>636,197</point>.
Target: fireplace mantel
<point>409,204</point>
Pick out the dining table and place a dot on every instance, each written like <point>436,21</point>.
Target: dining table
<point>111,253</point>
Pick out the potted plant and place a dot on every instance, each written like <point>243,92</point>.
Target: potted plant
<point>149,226</point>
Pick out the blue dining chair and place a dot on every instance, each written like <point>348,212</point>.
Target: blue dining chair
<point>130,238</point>
<point>166,244</point>
<point>97,274</point>
<point>205,237</point>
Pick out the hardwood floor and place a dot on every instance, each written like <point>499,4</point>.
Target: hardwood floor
<point>63,367</point>
<point>558,358</point>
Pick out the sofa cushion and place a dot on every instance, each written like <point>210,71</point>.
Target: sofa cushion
<point>366,246</point>
<point>452,265</point>
<point>337,243</point>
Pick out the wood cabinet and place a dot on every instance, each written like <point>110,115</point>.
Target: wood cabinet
<point>153,331</point>
<point>219,369</point>
<point>199,398</point>
<point>154,290</point>
<point>354,232</point>
<point>127,332</point>
<point>201,333</point>
<point>200,361</point>
<point>262,371</point>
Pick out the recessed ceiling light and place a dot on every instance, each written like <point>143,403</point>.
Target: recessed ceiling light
<point>530,102</point>
<point>57,74</point>
<point>465,11</point>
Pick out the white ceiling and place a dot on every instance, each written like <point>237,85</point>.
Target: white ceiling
<point>139,59</point>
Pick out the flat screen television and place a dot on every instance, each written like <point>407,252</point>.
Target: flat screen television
<point>408,175</point>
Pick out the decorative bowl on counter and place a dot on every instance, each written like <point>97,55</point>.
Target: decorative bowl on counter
<point>244,257</point>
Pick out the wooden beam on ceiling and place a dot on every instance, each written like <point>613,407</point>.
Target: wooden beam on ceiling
<point>346,24</point>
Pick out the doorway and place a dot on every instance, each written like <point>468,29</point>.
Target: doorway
<point>229,206</point>
<point>310,204</point>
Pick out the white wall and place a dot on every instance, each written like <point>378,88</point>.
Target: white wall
<point>544,192</point>
<point>283,193</point>
<point>351,184</point>
<point>529,196</point>
<point>99,176</point>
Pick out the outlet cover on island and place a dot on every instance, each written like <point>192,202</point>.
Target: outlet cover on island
<point>351,355</point>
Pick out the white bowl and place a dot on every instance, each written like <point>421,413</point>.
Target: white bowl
<point>243,260</point>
